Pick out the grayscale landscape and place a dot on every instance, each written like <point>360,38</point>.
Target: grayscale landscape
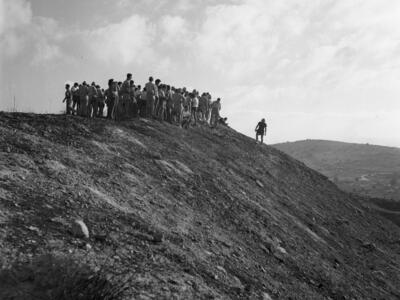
<point>187,149</point>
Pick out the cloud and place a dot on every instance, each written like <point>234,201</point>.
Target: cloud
<point>23,33</point>
<point>122,3</point>
<point>317,43</point>
<point>174,30</point>
<point>45,53</point>
<point>125,42</point>
<point>14,14</point>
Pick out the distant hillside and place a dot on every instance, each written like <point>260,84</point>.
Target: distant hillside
<point>367,169</point>
<point>364,169</point>
<point>184,214</point>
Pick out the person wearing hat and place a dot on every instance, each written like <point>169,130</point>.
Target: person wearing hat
<point>261,130</point>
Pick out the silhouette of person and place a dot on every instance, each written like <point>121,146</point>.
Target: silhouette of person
<point>261,130</point>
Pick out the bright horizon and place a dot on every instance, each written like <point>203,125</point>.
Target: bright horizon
<point>314,69</point>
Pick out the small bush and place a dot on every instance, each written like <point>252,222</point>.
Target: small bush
<point>58,277</point>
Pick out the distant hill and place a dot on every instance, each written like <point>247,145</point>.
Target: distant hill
<point>184,214</point>
<point>364,169</point>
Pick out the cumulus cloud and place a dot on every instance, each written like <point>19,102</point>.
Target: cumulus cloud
<point>174,30</point>
<point>297,42</point>
<point>21,32</point>
<point>14,14</point>
<point>125,42</point>
<point>45,53</point>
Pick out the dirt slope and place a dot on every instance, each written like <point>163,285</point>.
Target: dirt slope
<point>190,214</point>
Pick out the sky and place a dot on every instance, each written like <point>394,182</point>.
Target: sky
<point>315,69</point>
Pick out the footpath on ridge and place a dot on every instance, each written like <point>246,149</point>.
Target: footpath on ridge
<point>187,214</point>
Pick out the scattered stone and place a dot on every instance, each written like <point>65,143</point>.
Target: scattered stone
<point>88,247</point>
<point>222,270</point>
<point>281,250</point>
<point>79,229</point>
<point>369,246</point>
<point>279,256</point>
<point>379,273</point>
<point>259,183</point>
<point>227,245</point>
<point>269,245</point>
<point>55,243</point>
<point>265,249</point>
<point>236,253</point>
<point>266,296</point>
<point>173,281</point>
<point>100,237</point>
<point>158,237</point>
<point>238,285</point>
<point>35,229</point>
<point>155,155</point>
<point>336,263</point>
<point>59,220</point>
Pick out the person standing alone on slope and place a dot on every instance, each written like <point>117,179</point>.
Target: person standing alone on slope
<point>261,130</point>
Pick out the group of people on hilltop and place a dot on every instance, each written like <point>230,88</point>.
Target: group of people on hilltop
<point>125,100</point>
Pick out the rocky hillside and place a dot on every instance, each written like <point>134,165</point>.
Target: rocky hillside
<point>186,214</point>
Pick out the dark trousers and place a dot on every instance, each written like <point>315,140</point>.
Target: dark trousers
<point>110,108</point>
<point>101,108</point>
<point>142,108</point>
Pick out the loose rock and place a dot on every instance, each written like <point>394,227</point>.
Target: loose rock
<point>266,296</point>
<point>79,229</point>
